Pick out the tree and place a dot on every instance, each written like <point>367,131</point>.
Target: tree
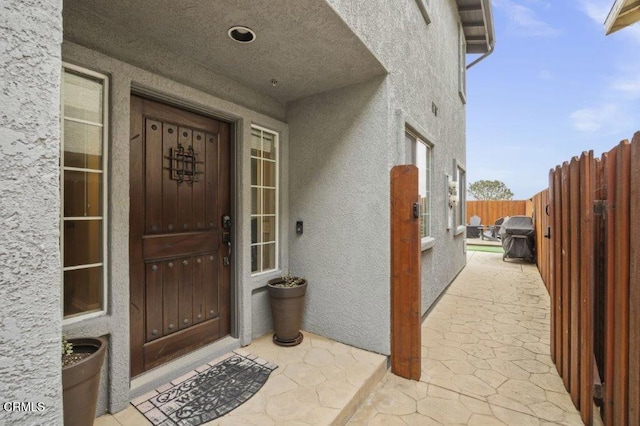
<point>490,190</point>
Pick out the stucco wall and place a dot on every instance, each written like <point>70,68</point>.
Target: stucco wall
<point>422,60</point>
<point>29,209</point>
<point>123,79</point>
<point>339,186</point>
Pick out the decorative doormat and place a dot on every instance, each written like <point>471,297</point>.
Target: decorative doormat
<point>206,393</point>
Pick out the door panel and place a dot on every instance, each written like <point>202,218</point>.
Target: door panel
<point>170,192</point>
<point>153,162</point>
<point>197,293</point>
<point>210,295</point>
<point>153,287</point>
<point>169,297</point>
<point>179,187</point>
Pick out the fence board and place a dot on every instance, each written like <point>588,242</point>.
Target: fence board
<point>586,282</point>
<point>491,210</point>
<point>599,298</point>
<point>574,279</point>
<point>557,241</point>
<point>566,277</point>
<point>634,281</point>
<point>608,172</point>
<point>621,283</point>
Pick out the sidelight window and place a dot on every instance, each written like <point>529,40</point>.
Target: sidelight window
<point>83,162</point>
<point>264,200</point>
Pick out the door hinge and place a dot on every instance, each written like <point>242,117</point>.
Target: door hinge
<point>598,392</point>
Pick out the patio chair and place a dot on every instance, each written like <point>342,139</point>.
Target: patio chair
<point>492,232</point>
<point>473,229</point>
<point>498,223</point>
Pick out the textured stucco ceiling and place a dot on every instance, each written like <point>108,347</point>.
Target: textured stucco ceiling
<point>302,44</point>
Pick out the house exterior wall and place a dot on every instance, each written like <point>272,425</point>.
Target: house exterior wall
<point>422,60</point>
<point>339,188</point>
<point>341,146</point>
<point>344,144</point>
<point>30,334</point>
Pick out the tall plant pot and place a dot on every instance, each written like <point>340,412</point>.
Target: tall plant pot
<point>81,382</point>
<point>287,304</point>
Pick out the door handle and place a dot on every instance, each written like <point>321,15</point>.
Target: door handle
<point>226,239</point>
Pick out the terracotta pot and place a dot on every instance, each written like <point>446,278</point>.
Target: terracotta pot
<point>287,304</point>
<point>81,381</point>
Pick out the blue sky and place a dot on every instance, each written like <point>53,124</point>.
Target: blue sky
<point>554,87</point>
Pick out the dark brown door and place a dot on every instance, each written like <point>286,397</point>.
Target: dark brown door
<point>179,189</point>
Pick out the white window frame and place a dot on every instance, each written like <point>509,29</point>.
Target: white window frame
<point>462,64</point>
<point>428,240</point>
<point>461,208</point>
<point>423,5</point>
<point>276,142</point>
<point>105,189</point>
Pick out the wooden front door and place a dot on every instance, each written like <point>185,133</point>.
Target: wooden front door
<point>179,252</point>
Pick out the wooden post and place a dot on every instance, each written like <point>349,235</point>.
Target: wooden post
<point>405,274</point>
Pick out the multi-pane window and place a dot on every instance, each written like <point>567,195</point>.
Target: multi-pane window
<point>421,156</point>
<point>83,188</point>
<point>264,200</point>
<point>462,199</point>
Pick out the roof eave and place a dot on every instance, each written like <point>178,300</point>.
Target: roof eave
<point>476,18</point>
<point>623,13</point>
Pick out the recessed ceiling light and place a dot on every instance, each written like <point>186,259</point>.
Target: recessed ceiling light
<point>241,34</point>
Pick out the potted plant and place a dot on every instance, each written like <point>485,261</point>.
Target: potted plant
<point>286,294</point>
<point>81,364</point>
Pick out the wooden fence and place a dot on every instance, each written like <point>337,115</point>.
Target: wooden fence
<point>591,266</point>
<point>489,210</point>
<point>540,201</point>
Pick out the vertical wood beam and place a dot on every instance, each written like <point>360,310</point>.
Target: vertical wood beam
<point>405,274</point>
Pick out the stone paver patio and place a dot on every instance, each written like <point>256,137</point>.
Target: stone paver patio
<point>318,382</point>
<point>485,356</point>
<point>485,361</point>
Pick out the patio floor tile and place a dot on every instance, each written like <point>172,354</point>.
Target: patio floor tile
<point>485,355</point>
<point>485,361</point>
<point>317,382</point>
